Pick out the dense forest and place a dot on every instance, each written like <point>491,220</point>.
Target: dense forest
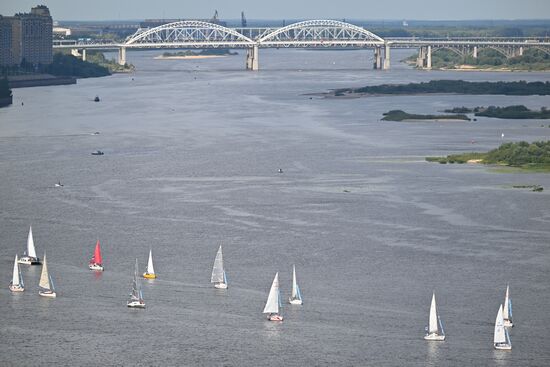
<point>532,59</point>
<point>399,115</point>
<point>521,154</point>
<point>509,112</point>
<point>521,88</point>
<point>68,65</point>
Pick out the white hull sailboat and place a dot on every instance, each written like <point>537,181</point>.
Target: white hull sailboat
<point>501,339</point>
<point>136,297</point>
<point>150,273</point>
<point>296,295</point>
<point>507,309</point>
<point>274,301</point>
<point>434,331</point>
<point>46,283</point>
<point>16,284</point>
<point>219,278</point>
<point>30,258</point>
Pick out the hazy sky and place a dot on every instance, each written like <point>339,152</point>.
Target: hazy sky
<point>287,9</point>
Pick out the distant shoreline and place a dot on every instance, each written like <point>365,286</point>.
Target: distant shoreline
<point>188,57</point>
<point>39,80</point>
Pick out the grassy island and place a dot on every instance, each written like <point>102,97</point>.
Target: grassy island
<point>113,66</point>
<point>489,59</point>
<point>534,156</point>
<point>509,112</point>
<point>521,88</point>
<point>399,115</point>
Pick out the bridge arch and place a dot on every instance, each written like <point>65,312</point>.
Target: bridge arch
<point>458,51</point>
<point>193,32</point>
<point>324,32</point>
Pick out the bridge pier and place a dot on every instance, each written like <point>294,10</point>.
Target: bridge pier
<point>386,56</point>
<point>429,58</point>
<point>377,64</point>
<point>122,56</point>
<point>252,58</point>
<point>424,59</point>
<point>83,54</point>
<point>520,51</point>
<point>474,53</point>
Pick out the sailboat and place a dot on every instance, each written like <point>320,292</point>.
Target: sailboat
<point>150,273</point>
<point>46,283</point>
<point>30,258</point>
<point>96,263</point>
<point>218,272</point>
<point>507,311</point>
<point>136,297</point>
<point>501,338</point>
<point>296,296</point>
<point>274,301</point>
<point>16,284</point>
<point>434,331</point>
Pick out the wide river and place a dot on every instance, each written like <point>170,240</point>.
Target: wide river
<point>192,153</point>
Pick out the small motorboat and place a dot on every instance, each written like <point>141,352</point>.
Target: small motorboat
<point>280,170</point>
<point>58,184</point>
<point>96,99</point>
<point>98,152</point>
<point>95,133</point>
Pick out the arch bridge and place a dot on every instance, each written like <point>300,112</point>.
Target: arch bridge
<point>307,34</point>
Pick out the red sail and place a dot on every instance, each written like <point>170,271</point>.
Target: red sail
<point>97,254</point>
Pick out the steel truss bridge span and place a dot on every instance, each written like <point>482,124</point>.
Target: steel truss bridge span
<point>307,34</point>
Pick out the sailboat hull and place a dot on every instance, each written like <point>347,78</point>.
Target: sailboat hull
<point>502,346</point>
<point>27,260</point>
<point>275,318</point>
<point>48,294</point>
<point>220,285</point>
<point>149,276</point>
<point>96,267</point>
<point>295,301</point>
<point>16,288</point>
<point>136,304</point>
<point>434,337</point>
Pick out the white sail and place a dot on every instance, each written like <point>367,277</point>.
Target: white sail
<point>500,333</point>
<point>506,314</point>
<point>136,286</point>
<point>15,280</point>
<point>217,270</point>
<point>272,304</point>
<point>150,268</point>
<point>433,326</point>
<point>45,277</point>
<point>31,252</point>
<point>294,283</point>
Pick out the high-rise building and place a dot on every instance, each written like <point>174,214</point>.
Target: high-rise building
<point>31,37</point>
<point>7,56</point>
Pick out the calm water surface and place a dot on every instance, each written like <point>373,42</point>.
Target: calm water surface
<point>192,150</point>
